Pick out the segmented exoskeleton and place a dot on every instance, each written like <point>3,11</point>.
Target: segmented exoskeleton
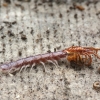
<point>32,61</point>
<point>75,53</point>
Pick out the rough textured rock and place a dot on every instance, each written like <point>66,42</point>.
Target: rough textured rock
<point>35,27</point>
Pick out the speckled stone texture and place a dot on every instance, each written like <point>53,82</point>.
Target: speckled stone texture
<point>35,27</point>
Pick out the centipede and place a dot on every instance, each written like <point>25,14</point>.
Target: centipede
<point>74,53</point>
<point>82,55</point>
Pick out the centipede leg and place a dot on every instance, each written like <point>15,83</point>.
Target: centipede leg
<point>10,71</point>
<point>79,58</point>
<point>96,55</point>
<point>52,63</point>
<point>26,67</point>
<point>32,66</point>
<point>21,68</point>
<point>56,62</point>
<point>43,65</point>
<point>90,59</point>
<point>85,59</point>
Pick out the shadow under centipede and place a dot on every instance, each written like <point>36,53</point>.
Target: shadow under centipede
<point>79,66</point>
<point>14,73</point>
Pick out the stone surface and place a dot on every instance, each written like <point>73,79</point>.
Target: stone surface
<point>35,27</point>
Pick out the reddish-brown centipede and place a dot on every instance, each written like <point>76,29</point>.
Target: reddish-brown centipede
<point>81,54</point>
<point>32,60</point>
<point>74,53</point>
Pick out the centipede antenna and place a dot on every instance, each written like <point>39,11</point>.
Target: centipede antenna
<point>52,63</point>
<point>43,65</point>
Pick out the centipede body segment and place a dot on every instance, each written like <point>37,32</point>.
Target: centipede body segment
<point>32,60</point>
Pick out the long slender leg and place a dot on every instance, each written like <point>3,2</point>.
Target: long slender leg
<point>26,67</point>
<point>96,55</point>
<point>56,62</point>
<point>52,62</point>
<point>43,65</point>
<point>78,58</point>
<point>90,59</point>
<point>21,68</point>
<point>32,66</point>
<point>11,70</point>
<point>86,58</point>
<point>83,60</point>
<point>74,57</point>
<point>89,63</point>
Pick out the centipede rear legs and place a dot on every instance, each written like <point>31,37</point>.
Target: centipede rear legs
<point>79,60</point>
<point>96,55</point>
<point>74,60</point>
<point>89,60</point>
<point>86,60</point>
